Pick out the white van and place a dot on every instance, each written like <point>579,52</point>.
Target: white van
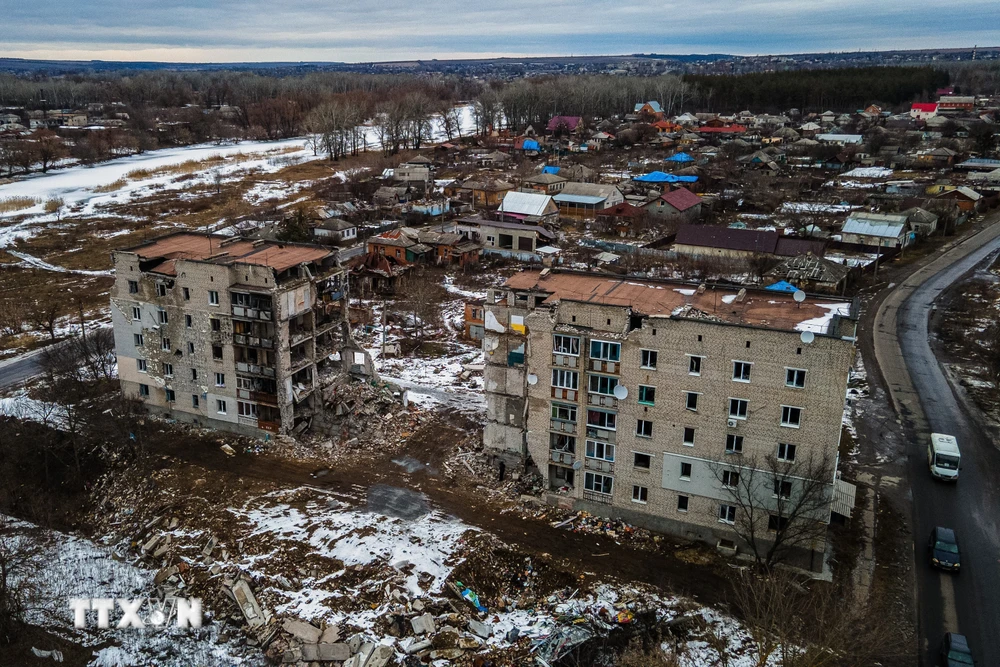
<point>943,457</point>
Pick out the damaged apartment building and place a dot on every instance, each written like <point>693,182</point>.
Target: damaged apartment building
<point>644,399</point>
<point>231,333</point>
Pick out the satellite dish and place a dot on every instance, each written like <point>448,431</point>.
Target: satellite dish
<point>621,392</point>
<point>799,296</point>
<point>807,337</point>
<point>577,465</point>
<point>532,379</point>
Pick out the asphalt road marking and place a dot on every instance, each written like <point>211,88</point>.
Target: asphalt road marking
<point>948,600</point>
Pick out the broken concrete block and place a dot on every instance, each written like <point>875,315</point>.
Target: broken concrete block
<point>417,605</point>
<point>331,635</point>
<point>337,652</point>
<point>291,655</point>
<point>212,541</point>
<point>310,652</point>
<point>469,643</point>
<point>447,654</point>
<point>423,625</point>
<point>417,646</point>
<point>165,574</point>
<point>163,548</point>
<point>248,604</point>
<point>151,543</point>
<point>229,451</point>
<point>480,629</point>
<point>354,661</point>
<point>306,632</point>
<point>380,656</point>
<point>355,643</point>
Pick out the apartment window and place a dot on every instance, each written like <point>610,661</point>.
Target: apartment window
<point>245,409</point>
<point>730,479</point>
<point>734,444</point>
<point>169,394</point>
<point>782,489</point>
<point>190,348</point>
<point>136,313</point>
<point>777,523</point>
<point>187,294</point>
<point>213,298</point>
<point>605,351</point>
<point>685,471</point>
<point>727,514</point>
<point>565,379</point>
<point>133,287</point>
<point>566,345</point>
<point>598,483</point>
<point>647,359</point>
<point>643,461</point>
<point>639,494</point>
<point>140,365</point>
<point>601,419</point>
<point>602,384</point>
<point>694,365</point>
<point>220,379</point>
<point>188,321</point>
<point>164,344</point>
<point>220,406</point>
<point>138,340</point>
<point>741,371</point>
<point>559,442</point>
<point>795,377</point>
<point>163,317</point>
<point>691,401</point>
<point>168,370</point>
<point>195,400</point>
<point>738,408</point>
<point>144,390</point>
<point>643,428</point>
<point>216,352</point>
<point>161,289</point>
<point>566,413</point>
<point>216,324</point>
<point>682,503</point>
<point>790,416</point>
<point>194,373</point>
<point>647,395</point>
<point>786,452</point>
<point>603,451</point>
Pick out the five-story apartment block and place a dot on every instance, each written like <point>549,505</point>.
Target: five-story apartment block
<point>644,399</point>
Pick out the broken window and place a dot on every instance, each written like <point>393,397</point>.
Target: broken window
<point>566,345</point>
<point>639,494</point>
<point>133,287</point>
<point>644,428</point>
<point>648,359</point>
<point>602,419</point>
<point>738,408</point>
<point>220,406</point>
<point>163,317</point>
<point>795,377</point>
<point>213,298</point>
<point>790,416</point>
<point>640,460</point>
<point>140,365</point>
<point>598,483</point>
<point>169,395</point>
<point>136,313</point>
<point>734,444</point>
<point>144,390</point>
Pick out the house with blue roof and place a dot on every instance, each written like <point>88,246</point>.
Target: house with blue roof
<point>649,110</point>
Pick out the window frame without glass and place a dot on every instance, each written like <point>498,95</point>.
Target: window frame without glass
<point>557,344</point>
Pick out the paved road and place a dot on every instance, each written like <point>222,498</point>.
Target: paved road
<point>24,367</point>
<point>968,603</point>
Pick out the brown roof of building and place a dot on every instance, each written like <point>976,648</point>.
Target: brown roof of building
<point>773,310</point>
<point>708,236</point>
<point>682,199</point>
<point>221,249</point>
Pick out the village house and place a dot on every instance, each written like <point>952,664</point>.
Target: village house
<point>564,125</point>
<point>584,200</point>
<point>641,399</point>
<point>509,239</point>
<point>336,230</point>
<point>546,183</point>
<point>811,273</point>
<point>229,333</point>
<point>648,112</point>
<point>964,197</point>
<point>528,207</point>
<point>953,103</point>
<point>679,205</point>
<point>887,230</point>
<point>483,194</point>
<point>410,246</point>
<point>701,241</point>
<point>923,110</point>
<point>624,219</point>
<point>473,320</point>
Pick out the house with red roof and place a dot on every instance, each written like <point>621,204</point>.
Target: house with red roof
<point>923,110</point>
<point>680,205</point>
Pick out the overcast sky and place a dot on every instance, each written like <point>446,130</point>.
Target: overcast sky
<point>358,30</point>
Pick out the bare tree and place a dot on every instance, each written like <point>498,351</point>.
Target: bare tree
<point>43,316</point>
<point>19,562</point>
<point>781,505</point>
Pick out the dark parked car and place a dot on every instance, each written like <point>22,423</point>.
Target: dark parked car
<point>955,651</point>
<point>943,549</point>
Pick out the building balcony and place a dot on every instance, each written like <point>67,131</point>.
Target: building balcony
<point>258,397</point>
<point>594,496</point>
<point>294,338</point>
<point>562,426</point>
<point>565,361</point>
<point>606,367</point>
<point>565,394</point>
<point>253,341</point>
<point>564,458</point>
<point>598,465</point>
<point>601,434</point>
<point>248,421</point>
<point>255,369</point>
<point>253,313</point>
<point>272,427</point>
<point>602,400</point>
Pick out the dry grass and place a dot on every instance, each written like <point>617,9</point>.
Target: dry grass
<point>11,204</point>
<point>111,187</point>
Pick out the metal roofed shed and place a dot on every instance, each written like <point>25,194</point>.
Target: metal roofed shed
<point>663,177</point>
<point>578,199</point>
<point>525,203</point>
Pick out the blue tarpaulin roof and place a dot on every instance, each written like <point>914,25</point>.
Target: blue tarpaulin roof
<point>550,170</point>
<point>680,157</point>
<point>663,177</point>
<point>530,145</point>
<point>783,286</point>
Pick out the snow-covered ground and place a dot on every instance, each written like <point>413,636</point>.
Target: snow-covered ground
<point>868,172</point>
<point>816,207</point>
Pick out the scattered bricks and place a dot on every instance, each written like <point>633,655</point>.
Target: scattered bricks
<point>165,574</point>
<point>331,635</point>
<point>210,546</point>
<point>151,544</point>
<point>306,632</point>
<point>480,629</point>
<point>380,656</point>
<point>163,548</point>
<point>337,652</point>
<point>417,605</point>
<point>423,625</point>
